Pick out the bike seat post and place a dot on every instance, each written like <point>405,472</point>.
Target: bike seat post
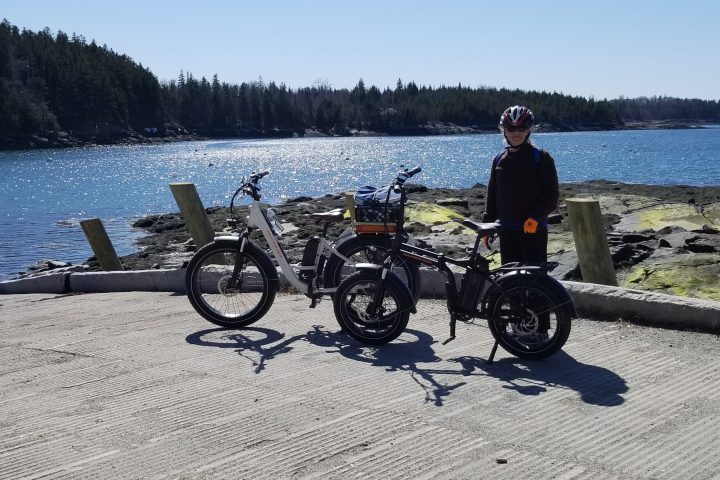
<point>326,225</point>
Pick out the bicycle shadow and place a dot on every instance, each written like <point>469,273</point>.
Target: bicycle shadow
<point>259,345</point>
<point>262,342</point>
<point>595,385</point>
<point>402,355</point>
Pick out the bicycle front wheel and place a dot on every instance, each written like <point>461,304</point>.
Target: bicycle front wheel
<point>528,319</point>
<point>225,297</point>
<point>372,310</point>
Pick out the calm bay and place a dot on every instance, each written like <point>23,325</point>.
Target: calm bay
<point>46,193</point>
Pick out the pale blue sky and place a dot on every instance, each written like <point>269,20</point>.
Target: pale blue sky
<point>601,49</point>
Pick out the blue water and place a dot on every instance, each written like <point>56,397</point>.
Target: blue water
<point>44,194</point>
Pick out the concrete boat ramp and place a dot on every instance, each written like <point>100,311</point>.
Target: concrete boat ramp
<point>137,385</point>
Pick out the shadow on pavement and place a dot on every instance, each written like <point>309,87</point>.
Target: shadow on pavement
<point>595,385</point>
<point>262,341</point>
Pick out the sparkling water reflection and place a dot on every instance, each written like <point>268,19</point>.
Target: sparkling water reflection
<point>46,193</point>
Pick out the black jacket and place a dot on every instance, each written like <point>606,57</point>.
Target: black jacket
<point>520,187</point>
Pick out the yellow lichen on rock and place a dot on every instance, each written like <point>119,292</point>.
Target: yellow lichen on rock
<point>695,275</point>
<point>676,214</point>
<point>431,214</point>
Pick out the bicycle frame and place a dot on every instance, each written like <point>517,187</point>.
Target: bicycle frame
<point>258,219</point>
<point>477,278</point>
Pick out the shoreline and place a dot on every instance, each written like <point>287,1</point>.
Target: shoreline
<point>62,140</point>
<point>679,255</point>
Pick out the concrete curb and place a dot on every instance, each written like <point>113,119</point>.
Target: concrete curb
<point>657,309</point>
<point>593,300</point>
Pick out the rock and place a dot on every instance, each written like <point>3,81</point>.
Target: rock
<point>53,264</point>
<point>669,230</point>
<point>622,254</point>
<point>704,244</point>
<point>299,199</point>
<point>306,208</point>
<point>554,219</point>
<point>649,246</point>
<point>707,229</point>
<point>453,202</point>
<point>635,237</point>
<point>676,240</point>
<point>567,268</point>
<point>413,188</point>
<point>146,222</point>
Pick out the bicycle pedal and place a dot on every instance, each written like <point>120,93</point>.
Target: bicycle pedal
<point>314,302</point>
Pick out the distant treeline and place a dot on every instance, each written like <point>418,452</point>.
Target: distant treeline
<point>55,85</point>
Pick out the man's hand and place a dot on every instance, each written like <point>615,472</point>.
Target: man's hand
<point>530,225</point>
<point>486,241</point>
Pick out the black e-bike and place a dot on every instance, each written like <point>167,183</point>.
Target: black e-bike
<point>528,312</point>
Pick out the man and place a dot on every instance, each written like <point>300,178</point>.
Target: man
<point>522,191</point>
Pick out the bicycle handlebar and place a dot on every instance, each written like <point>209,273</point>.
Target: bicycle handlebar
<point>257,176</point>
<point>404,175</point>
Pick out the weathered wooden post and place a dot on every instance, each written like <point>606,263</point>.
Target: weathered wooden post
<point>193,212</point>
<point>101,245</point>
<point>350,204</point>
<point>590,241</point>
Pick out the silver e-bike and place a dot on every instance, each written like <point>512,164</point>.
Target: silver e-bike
<point>232,281</point>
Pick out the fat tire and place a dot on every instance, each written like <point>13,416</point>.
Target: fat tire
<point>544,292</point>
<point>332,276</point>
<point>268,284</point>
<point>352,323</point>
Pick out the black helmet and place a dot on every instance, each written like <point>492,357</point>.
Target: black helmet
<point>517,116</point>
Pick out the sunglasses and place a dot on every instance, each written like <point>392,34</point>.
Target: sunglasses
<point>517,129</point>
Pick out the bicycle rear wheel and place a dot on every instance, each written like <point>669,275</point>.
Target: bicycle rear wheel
<point>370,249</point>
<point>372,310</point>
<point>226,299</point>
<point>528,319</point>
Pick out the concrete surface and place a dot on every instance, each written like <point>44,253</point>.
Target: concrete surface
<point>137,385</point>
<point>656,309</point>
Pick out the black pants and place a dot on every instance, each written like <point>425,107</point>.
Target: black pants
<point>516,246</point>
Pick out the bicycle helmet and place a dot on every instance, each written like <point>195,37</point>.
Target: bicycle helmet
<point>517,116</point>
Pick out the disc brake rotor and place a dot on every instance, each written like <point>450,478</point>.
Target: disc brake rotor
<point>225,288</point>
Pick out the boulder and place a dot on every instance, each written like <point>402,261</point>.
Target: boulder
<point>636,237</point>
<point>704,243</point>
<point>453,202</point>
<point>677,239</point>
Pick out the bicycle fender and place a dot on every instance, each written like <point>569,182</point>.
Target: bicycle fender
<point>564,295</point>
<point>227,237</point>
<point>551,282</point>
<point>270,266</point>
<point>367,266</point>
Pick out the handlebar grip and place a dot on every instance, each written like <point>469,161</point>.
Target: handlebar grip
<point>413,171</point>
<point>259,175</point>
<point>406,174</point>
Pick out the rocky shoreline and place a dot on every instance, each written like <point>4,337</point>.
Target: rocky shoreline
<point>662,238</point>
<point>115,135</point>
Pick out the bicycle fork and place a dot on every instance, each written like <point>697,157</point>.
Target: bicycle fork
<point>379,295</point>
<point>236,277</point>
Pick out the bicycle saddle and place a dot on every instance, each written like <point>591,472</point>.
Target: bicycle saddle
<point>332,216</point>
<point>481,228</point>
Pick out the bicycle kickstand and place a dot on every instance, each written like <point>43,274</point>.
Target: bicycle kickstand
<point>453,320</point>
<point>492,353</point>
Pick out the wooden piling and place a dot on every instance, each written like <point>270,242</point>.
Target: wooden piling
<point>193,212</point>
<point>101,245</point>
<point>350,204</point>
<point>590,241</point>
